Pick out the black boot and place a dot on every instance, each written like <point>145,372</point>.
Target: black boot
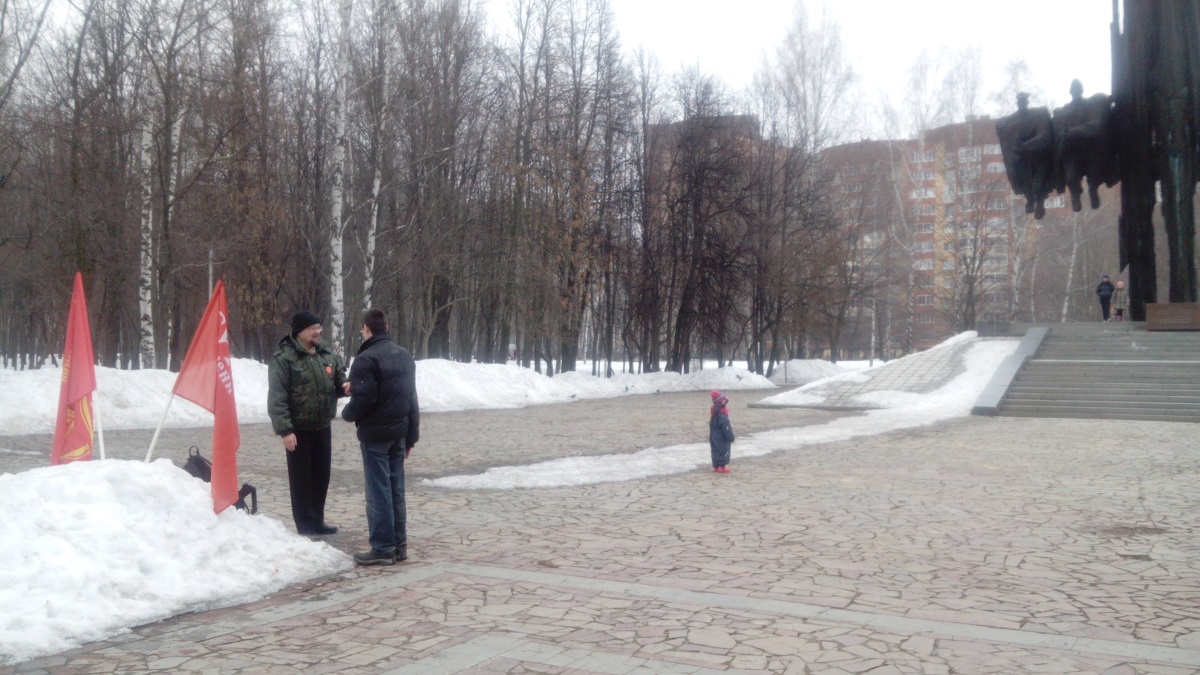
<point>373,558</point>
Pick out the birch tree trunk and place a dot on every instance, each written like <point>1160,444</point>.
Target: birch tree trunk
<point>337,301</point>
<point>376,183</point>
<point>146,273</point>
<point>1066,308</point>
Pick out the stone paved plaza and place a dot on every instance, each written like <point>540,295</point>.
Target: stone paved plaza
<point>982,545</point>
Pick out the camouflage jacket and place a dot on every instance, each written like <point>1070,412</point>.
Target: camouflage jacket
<point>303,388</point>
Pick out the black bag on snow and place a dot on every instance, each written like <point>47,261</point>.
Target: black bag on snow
<point>201,468</point>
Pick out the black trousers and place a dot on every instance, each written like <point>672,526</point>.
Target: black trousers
<point>308,478</point>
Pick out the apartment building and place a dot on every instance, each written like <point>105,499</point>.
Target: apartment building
<point>959,241</point>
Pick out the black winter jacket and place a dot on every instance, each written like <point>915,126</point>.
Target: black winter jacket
<point>1104,290</point>
<point>383,393</point>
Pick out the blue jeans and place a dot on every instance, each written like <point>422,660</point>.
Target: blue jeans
<point>383,469</point>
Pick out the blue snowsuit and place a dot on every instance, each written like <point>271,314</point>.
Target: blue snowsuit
<point>720,437</point>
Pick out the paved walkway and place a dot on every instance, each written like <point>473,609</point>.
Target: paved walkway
<point>983,545</point>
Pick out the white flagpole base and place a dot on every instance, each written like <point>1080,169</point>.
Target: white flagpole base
<point>154,440</point>
<point>99,426</point>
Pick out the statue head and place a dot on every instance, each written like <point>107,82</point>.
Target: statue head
<point>1022,101</point>
<point>1076,90</point>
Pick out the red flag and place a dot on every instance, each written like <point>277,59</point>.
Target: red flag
<point>206,379</point>
<point>73,431</point>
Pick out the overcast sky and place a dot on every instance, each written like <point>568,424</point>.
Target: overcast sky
<point>1060,40</point>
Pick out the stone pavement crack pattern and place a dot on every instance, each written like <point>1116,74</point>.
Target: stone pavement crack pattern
<point>981,545</point>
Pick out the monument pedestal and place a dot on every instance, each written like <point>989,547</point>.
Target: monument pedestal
<point>1173,316</point>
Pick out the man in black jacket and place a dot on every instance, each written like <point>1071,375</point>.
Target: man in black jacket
<point>1104,291</point>
<point>383,405</point>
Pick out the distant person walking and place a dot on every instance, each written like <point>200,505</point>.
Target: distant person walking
<point>1119,301</point>
<point>304,381</point>
<point>1104,291</point>
<point>720,432</point>
<point>383,405</point>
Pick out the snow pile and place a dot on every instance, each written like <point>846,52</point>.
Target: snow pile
<point>448,385</point>
<point>136,399</point>
<point>91,548</point>
<point>803,371</point>
<point>816,393</point>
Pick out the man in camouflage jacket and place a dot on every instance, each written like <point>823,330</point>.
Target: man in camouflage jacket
<point>305,380</point>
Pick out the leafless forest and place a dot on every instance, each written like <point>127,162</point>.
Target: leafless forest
<point>528,181</point>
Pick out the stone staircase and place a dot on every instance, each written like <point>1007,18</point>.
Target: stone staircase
<point>1109,371</point>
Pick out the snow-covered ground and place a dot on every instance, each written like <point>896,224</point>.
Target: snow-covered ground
<point>89,549</point>
<point>898,410</point>
<point>136,399</point>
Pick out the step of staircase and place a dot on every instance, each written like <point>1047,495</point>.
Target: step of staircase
<point>1058,395</point>
<point>1101,414</point>
<point>1109,371</point>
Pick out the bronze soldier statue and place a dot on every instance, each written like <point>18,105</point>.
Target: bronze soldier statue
<point>1083,146</point>
<point>1027,145</point>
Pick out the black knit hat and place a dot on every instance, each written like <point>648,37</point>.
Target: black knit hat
<point>303,319</point>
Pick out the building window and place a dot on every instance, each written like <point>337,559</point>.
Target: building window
<point>996,204</point>
<point>991,149</point>
<point>923,247</point>
<point>922,193</point>
<point>925,210</point>
<point>918,157</point>
<point>947,265</point>
<point>920,228</point>
<point>970,171</point>
<point>971,154</point>
<point>923,264</point>
<point>948,246</point>
<point>924,318</point>
<point>924,300</point>
<point>995,167</point>
<point>1055,202</point>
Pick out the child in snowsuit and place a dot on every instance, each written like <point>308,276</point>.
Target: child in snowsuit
<point>1119,301</point>
<point>720,432</point>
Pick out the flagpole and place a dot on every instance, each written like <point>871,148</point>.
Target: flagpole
<point>99,426</point>
<point>157,429</point>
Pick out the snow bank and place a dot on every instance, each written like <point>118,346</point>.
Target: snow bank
<point>91,548</point>
<point>136,399</point>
